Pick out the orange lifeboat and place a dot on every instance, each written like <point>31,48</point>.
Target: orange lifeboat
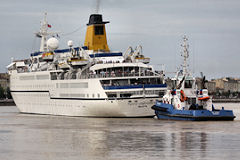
<point>204,98</point>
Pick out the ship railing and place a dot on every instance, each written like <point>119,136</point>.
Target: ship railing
<point>116,75</point>
<point>113,87</point>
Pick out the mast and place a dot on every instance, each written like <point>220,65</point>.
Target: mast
<point>43,33</point>
<point>97,6</point>
<point>185,55</point>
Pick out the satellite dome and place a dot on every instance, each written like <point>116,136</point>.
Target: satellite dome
<point>52,43</point>
<point>70,43</point>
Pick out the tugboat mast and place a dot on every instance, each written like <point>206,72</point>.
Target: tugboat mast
<point>185,55</point>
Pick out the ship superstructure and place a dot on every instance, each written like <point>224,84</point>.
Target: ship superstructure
<point>90,80</point>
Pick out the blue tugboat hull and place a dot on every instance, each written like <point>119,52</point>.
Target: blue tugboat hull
<point>167,111</point>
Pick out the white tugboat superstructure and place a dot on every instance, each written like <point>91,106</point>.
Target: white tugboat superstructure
<point>85,81</point>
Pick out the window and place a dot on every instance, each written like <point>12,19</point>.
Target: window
<point>120,82</point>
<point>126,95</point>
<point>161,93</point>
<point>53,76</point>
<point>112,95</point>
<point>40,60</point>
<point>188,83</point>
<point>41,77</point>
<point>74,85</point>
<point>99,30</point>
<point>106,82</point>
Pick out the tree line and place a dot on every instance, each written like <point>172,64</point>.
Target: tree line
<point>5,93</point>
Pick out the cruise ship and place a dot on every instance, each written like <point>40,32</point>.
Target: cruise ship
<point>89,80</point>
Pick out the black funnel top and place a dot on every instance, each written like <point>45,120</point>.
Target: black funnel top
<point>96,19</point>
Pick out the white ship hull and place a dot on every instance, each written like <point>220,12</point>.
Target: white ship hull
<point>41,96</point>
<point>40,103</point>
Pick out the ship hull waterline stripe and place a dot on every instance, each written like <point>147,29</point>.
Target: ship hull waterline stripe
<point>150,116</point>
<point>29,91</point>
<point>109,99</point>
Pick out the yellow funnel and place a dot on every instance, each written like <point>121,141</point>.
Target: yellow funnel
<point>96,38</point>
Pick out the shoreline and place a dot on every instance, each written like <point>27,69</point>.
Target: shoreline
<point>229,100</point>
<point>7,102</point>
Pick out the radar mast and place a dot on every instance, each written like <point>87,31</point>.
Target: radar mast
<point>43,33</point>
<point>185,54</point>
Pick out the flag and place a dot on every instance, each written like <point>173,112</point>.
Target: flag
<point>49,26</point>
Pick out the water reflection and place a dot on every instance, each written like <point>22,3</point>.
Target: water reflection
<point>50,137</point>
<point>193,141</point>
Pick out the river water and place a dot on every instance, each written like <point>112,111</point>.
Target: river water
<point>44,137</point>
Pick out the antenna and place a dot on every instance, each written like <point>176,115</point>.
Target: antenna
<point>43,33</point>
<point>97,6</point>
<point>185,54</point>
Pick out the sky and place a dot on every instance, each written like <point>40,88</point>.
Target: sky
<point>212,27</point>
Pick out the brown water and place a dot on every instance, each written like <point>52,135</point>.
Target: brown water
<point>43,137</point>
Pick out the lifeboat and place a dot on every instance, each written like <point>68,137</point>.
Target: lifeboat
<point>78,61</point>
<point>142,59</point>
<point>47,56</point>
<point>63,65</point>
<point>204,98</point>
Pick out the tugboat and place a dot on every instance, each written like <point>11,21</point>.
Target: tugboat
<point>185,101</point>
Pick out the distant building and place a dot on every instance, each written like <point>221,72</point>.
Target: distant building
<point>228,85</point>
<point>199,82</point>
<point>238,85</point>
<point>222,85</point>
<point>211,86</point>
